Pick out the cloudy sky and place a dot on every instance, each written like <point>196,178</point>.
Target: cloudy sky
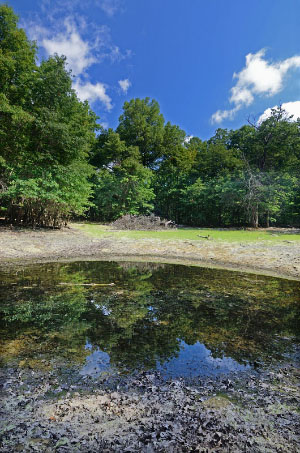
<point>209,63</point>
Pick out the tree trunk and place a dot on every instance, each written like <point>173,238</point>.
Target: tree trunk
<point>254,216</point>
<point>268,219</point>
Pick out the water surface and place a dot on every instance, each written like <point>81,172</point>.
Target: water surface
<point>108,317</point>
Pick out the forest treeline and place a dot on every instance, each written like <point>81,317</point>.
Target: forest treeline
<point>56,162</point>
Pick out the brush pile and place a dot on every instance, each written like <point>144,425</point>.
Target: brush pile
<point>142,222</point>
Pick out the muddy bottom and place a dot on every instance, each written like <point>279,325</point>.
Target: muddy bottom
<point>57,411</point>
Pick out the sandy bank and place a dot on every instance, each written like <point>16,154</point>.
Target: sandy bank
<point>272,258</point>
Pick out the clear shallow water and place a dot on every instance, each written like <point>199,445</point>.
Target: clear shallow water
<point>106,317</point>
<point>195,360</point>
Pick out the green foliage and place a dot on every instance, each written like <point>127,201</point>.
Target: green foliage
<point>52,166</point>
<point>46,134</point>
<point>17,58</point>
<point>142,125</point>
<point>249,176</point>
<point>266,194</point>
<point>277,143</point>
<point>122,185</point>
<point>173,173</point>
<point>17,64</point>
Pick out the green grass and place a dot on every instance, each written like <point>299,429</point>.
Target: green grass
<point>230,235</point>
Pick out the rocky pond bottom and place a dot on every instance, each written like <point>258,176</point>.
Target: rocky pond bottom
<point>126,357</point>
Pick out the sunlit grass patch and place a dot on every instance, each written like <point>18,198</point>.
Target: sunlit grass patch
<point>194,234</point>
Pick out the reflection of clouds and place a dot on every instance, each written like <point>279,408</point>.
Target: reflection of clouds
<point>97,362</point>
<point>106,311</point>
<point>88,346</point>
<point>153,310</point>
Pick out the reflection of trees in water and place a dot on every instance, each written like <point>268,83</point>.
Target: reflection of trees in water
<point>41,315</point>
<point>141,267</point>
<point>228,326</point>
<point>145,315</point>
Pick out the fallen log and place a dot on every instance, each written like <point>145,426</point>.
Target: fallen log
<point>86,284</point>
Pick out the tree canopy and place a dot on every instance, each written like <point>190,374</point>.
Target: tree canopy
<point>46,134</point>
<point>53,165</point>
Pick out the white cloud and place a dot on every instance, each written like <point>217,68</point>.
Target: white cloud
<point>258,77</point>
<point>124,85</point>
<point>221,115</point>
<point>92,92</point>
<point>65,32</point>
<point>69,43</point>
<point>110,7</point>
<point>80,56</point>
<point>115,54</point>
<point>104,124</point>
<point>65,38</point>
<point>291,108</point>
<point>188,138</point>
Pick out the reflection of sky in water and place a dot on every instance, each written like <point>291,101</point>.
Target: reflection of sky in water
<point>193,360</point>
<point>97,362</point>
<point>152,310</point>
<point>138,325</point>
<point>196,360</point>
<point>103,308</point>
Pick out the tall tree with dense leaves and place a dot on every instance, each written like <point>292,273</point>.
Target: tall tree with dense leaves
<point>17,65</point>
<point>141,124</point>
<point>46,134</point>
<point>122,185</point>
<point>272,145</point>
<point>173,172</point>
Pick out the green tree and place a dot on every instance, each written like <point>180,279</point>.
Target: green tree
<point>173,173</point>
<point>122,185</point>
<point>46,134</point>
<point>17,65</point>
<point>266,194</point>
<point>214,158</point>
<point>141,124</point>
<point>273,144</point>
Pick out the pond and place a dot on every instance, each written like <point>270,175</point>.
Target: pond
<point>121,318</point>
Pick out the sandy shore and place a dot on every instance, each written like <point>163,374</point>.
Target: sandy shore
<point>271,258</point>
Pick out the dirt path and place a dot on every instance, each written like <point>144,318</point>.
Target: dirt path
<point>279,259</point>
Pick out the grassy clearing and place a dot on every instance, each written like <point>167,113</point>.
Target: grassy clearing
<point>104,231</point>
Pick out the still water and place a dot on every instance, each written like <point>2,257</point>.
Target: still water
<point>108,317</point>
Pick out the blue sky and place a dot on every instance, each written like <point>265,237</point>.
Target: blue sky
<point>209,63</point>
